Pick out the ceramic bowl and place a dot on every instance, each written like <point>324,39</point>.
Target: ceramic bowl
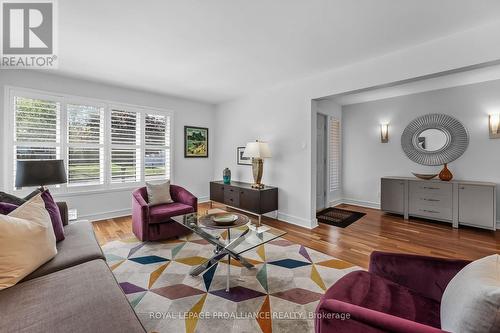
<point>224,219</point>
<point>426,176</point>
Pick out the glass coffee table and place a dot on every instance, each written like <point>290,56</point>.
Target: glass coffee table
<point>243,240</point>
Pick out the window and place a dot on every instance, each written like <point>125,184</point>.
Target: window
<point>85,144</point>
<point>335,154</point>
<point>125,146</point>
<point>102,144</point>
<point>157,142</point>
<point>36,129</point>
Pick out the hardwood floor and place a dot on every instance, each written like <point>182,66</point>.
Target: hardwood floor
<point>375,231</point>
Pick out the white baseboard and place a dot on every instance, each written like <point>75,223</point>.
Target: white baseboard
<point>298,221</point>
<point>367,204</point>
<point>336,202</point>
<point>203,199</point>
<point>106,215</point>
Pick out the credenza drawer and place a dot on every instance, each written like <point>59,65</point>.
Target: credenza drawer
<point>431,200</point>
<point>431,189</point>
<point>231,196</point>
<point>419,199</point>
<point>439,213</point>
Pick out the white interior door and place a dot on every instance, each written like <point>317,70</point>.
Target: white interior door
<point>321,146</point>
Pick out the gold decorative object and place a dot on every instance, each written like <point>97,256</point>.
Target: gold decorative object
<point>257,169</point>
<point>257,151</point>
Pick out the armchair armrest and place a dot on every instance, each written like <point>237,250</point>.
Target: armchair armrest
<point>379,321</point>
<point>140,216</point>
<point>426,275</point>
<point>139,200</point>
<point>180,194</point>
<point>63,210</point>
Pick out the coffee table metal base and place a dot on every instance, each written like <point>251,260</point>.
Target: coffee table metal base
<point>221,250</point>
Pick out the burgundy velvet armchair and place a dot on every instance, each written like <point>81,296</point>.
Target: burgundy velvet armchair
<point>399,293</point>
<point>151,223</point>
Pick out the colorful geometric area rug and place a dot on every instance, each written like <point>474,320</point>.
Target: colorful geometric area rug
<point>279,295</point>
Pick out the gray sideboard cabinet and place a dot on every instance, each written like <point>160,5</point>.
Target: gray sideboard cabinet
<point>457,202</point>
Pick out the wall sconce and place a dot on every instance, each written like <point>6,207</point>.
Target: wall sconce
<point>494,122</point>
<point>384,133</point>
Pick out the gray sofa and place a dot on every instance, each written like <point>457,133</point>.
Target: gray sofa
<point>74,292</point>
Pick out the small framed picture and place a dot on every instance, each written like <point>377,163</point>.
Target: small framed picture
<point>240,159</point>
<point>195,141</point>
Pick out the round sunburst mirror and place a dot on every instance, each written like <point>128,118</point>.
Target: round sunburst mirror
<point>434,139</point>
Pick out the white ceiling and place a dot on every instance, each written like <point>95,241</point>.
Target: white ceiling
<point>215,50</point>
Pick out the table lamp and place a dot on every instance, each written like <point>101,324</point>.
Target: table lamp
<point>40,173</point>
<point>257,151</point>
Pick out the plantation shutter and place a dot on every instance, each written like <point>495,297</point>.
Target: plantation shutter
<point>103,145</point>
<point>125,146</point>
<point>157,147</point>
<point>37,129</point>
<point>335,154</point>
<point>85,144</point>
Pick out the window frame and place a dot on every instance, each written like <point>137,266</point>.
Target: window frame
<point>10,92</point>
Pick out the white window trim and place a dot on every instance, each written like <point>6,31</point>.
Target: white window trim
<point>63,190</point>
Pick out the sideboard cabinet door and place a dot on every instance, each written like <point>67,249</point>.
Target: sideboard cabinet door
<point>392,195</point>
<point>250,200</point>
<point>476,206</point>
<point>216,192</point>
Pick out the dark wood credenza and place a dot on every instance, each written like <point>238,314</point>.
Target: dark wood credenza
<point>242,196</point>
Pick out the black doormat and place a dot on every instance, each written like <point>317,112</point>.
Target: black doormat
<point>338,217</point>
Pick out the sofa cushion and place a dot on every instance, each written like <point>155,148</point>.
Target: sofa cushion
<point>79,246</point>
<point>373,292</point>
<point>83,298</point>
<point>163,213</point>
<point>471,301</point>
<point>55,215</point>
<point>27,241</point>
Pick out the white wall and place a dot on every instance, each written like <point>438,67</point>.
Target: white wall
<point>241,122</point>
<point>367,159</point>
<point>283,116</point>
<point>193,173</point>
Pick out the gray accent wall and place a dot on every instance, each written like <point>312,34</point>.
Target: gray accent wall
<point>366,159</point>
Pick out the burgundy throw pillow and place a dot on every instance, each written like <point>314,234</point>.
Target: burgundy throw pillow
<point>55,215</point>
<point>6,208</point>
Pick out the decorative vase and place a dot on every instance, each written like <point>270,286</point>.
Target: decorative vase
<point>226,176</point>
<point>445,174</point>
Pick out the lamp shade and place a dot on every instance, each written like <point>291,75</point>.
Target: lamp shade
<point>40,172</point>
<point>257,149</point>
